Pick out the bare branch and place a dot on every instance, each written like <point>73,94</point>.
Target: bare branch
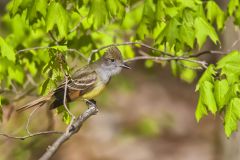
<point>76,125</point>
<point>124,44</point>
<point>52,47</point>
<point>202,63</point>
<point>33,48</point>
<point>206,52</point>
<point>31,135</point>
<point>29,119</point>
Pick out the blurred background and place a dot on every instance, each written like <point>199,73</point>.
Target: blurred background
<point>144,114</point>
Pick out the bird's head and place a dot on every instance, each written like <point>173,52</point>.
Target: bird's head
<point>113,61</point>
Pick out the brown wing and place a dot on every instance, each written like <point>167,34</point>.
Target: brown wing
<point>81,82</point>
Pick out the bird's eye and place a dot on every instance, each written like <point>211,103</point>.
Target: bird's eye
<point>112,60</point>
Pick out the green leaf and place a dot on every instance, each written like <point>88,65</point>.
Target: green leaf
<point>16,73</point>
<point>57,15</point>
<point>15,6</point>
<point>206,92</point>
<point>206,99</point>
<point>142,31</point>
<point>6,50</point>
<point>170,33</point>
<point>187,35</point>
<point>206,76</point>
<point>229,66</point>
<point>232,57</point>
<point>99,12</point>
<point>202,30</point>
<point>237,17</point>
<point>47,86</point>
<point>201,110</point>
<point>232,116</point>
<point>215,13</point>
<point>35,7</point>
<point>221,88</point>
<point>116,8</point>
<point>232,5</point>
<point>146,24</point>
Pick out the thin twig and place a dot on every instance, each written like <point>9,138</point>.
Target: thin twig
<point>202,63</point>
<point>205,52</point>
<point>31,135</point>
<point>52,47</point>
<point>29,119</point>
<point>33,48</point>
<point>127,43</point>
<point>235,43</point>
<point>65,104</point>
<point>65,97</point>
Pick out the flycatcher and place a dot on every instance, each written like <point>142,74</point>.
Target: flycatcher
<point>85,83</point>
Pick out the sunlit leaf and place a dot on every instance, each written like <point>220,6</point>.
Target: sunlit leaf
<point>187,35</point>
<point>201,109</point>
<point>206,91</point>
<point>221,88</point>
<point>16,73</point>
<point>232,5</point>
<point>202,30</point>
<point>232,116</point>
<point>6,50</point>
<point>99,12</point>
<point>57,15</point>
<point>206,76</point>
<point>215,13</point>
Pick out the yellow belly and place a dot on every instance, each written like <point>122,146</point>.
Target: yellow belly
<point>94,92</point>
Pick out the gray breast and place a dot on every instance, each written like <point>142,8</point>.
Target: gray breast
<point>104,75</point>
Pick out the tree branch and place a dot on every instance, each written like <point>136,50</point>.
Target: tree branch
<point>124,44</point>
<point>202,63</point>
<point>76,125</point>
<point>31,135</point>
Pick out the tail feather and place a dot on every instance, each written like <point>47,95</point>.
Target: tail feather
<point>38,102</point>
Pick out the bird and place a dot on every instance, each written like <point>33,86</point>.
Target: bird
<point>85,83</point>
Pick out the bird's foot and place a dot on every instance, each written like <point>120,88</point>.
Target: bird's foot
<point>91,103</point>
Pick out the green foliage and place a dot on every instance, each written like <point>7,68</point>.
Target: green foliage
<point>215,14</point>
<point>175,26</point>
<point>204,29</point>
<point>219,89</point>
<point>7,51</point>
<point>61,21</point>
<point>232,116</point>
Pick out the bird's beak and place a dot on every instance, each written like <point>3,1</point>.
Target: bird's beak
<point>125,66</point>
